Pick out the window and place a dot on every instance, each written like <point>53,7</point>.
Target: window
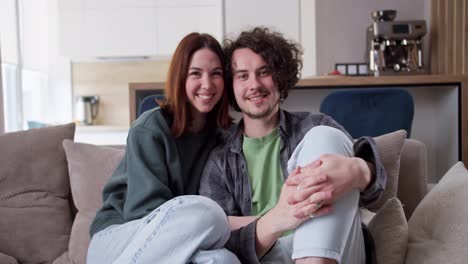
<point>10,87</point>
<point>36,80</point>
<point>35,97</point>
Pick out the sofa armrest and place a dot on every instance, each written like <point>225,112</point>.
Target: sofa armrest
<point>412,182</point>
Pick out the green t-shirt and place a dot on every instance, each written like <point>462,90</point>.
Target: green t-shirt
<point>264,168</point>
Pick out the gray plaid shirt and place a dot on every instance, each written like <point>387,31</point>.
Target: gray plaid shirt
<point>225,178</point>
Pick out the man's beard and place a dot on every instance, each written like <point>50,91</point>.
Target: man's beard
<point>266,111</point>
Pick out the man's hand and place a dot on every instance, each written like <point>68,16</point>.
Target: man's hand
<point>342,175</point>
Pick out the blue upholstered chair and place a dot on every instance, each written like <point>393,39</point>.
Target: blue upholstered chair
<point>149,102</point>
<point>370,111</point>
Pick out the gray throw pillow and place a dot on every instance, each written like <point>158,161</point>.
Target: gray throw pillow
<point>390,232</point>
<point>35,216</point>
<point>438,228</point>
<point>90,167</point>
<point>390,146</point>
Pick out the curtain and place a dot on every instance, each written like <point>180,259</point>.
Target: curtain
<point>2,122</point>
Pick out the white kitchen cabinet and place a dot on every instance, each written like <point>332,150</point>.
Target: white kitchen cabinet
<point>122,28</point>
<point>294,18</point>
<point>120,31</point>
<point>281,15</point>
<point>177,18</point>
<point>92,29</point>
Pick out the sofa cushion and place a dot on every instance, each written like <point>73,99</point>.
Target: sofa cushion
<point>390,146</point>
<point>438,228</point>
<point>35,216</point>
<point>89,167</point>
<point>390,232</point>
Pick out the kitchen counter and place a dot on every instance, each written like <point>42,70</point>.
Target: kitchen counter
<point>423,79</point>
<point>101,135</point>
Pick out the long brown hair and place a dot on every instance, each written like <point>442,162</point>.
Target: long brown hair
<point>175,98</point>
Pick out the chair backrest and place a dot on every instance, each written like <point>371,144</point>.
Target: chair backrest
<point>149,102</point>
<point>370,111</point>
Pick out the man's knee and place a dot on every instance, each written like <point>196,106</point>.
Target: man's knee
<point>330,139</point>
<point>329,134</point>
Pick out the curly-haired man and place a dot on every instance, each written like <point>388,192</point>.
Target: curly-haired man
<point>280,173</point>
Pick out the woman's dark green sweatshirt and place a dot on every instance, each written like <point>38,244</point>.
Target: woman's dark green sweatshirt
<point>156,168</point>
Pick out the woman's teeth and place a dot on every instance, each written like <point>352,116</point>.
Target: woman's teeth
<point>205,96</point>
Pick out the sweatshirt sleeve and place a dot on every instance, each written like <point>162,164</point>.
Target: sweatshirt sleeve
<point>366,149</point>
<point>146,171</point>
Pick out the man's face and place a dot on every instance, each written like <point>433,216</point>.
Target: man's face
<point>256,93</point>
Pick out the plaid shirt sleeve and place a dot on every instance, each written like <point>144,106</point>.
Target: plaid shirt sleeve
<point>216,183</point>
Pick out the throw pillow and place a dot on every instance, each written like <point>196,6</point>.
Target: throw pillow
<point>390,232</point>
<point>389,147</point>
<point>5,259</point>
<point>89,167</point>
<point>438,228</point>
<point>35,216</point>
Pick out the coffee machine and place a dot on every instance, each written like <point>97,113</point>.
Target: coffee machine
<point>395,47</point>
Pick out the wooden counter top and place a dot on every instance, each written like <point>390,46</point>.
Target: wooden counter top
<point>317,81</point>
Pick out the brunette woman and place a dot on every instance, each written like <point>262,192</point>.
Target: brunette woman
<point>151,211</point>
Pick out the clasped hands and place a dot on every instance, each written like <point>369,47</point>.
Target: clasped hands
<point>311,190</point>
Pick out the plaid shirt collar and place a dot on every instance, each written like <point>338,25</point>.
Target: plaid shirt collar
<point>237,138</point>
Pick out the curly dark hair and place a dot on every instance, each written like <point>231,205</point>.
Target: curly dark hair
<point>283,57</point>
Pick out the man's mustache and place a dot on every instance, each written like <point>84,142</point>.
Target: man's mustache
<point>257,91</point>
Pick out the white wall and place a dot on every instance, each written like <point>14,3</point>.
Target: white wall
<point>341,27</point>
<point>308,37</point>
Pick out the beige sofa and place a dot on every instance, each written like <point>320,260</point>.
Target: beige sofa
<point>50,188</point>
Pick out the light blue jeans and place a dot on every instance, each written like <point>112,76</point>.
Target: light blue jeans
<point>186,229</point>
<point>335,236</point>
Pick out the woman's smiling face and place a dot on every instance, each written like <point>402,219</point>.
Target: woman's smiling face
<point>205,83</point>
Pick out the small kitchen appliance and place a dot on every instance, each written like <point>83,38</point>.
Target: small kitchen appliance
<point>395,47</point>
<point>86,109</point>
